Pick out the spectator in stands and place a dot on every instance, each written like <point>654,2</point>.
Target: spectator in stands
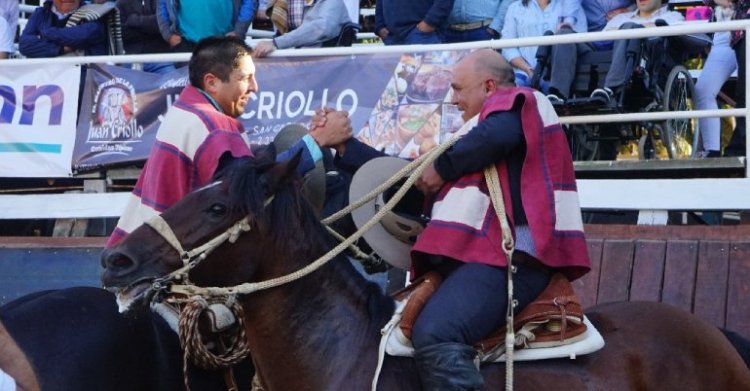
<point>8,26</point>
<point>303,23</point>
<point>476,20</point>
<point>413,22</point>
<point>717,69</point>
<point>531,18</point>
<point>48,33</point>
<point>563,63</point>
<point>201,132</point>
<point>184,22</point>
<point>736,145</point>
<point>646,15</point>
<point>141,32</point>
<point>600,12</point>
<point>262,21</point>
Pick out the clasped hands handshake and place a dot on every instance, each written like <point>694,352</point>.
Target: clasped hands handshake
<point>332,129</point>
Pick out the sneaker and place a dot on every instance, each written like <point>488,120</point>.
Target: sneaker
<point>711,153</point>
<point>604,94</point>
<point>555,100</point>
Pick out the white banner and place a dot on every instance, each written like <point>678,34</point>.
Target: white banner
<point>38,109</point>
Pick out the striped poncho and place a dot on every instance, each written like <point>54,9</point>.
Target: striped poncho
<point>189,143</point>
<point>464,225</point>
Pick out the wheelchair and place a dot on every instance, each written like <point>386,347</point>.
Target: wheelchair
<point>656,84</point>
<point>347,36</point>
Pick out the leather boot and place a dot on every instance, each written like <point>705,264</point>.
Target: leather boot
<point>448,366</point>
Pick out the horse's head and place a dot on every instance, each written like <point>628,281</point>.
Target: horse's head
<point>258,201</point>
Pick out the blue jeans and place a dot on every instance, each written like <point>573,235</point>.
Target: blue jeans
<point>159,67</point>
<point>478,34</point>
<point>155,67</point>
<point>415,37</point>
<point>471,303</point>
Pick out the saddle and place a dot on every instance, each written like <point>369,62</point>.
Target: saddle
<point>554,318</point>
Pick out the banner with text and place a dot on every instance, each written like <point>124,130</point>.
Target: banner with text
<point>38,108</point>
<point>397,103</point>
<point>120,111</point>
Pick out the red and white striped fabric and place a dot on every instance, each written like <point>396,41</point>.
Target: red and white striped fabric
<point>189,143</point>
<point>464,225</point>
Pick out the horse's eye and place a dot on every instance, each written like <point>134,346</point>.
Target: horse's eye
<point>218,209</point>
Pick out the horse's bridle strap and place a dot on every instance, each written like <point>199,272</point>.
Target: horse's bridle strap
<point>162,228</point>
<point>231,234</point>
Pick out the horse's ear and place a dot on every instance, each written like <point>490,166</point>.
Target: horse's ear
<point>264,153</point>
<point>282,172</point>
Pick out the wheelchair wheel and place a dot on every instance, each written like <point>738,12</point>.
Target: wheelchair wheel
<point>583,141</point>
<point>681,135</point>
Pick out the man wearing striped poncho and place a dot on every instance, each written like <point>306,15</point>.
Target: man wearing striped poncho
<point>201,131</point>
<point>518,131</point>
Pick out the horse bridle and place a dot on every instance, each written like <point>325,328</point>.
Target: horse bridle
<point>192,258</point>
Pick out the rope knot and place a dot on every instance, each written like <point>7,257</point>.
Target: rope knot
<point>237,229</point>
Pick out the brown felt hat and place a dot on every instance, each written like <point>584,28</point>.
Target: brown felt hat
<point>314,181</point>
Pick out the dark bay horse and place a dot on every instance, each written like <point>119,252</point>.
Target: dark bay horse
<point>75,339</point>
<point>321,331</point>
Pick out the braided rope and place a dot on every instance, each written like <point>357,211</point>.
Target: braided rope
<point>496,195</point>
<point>192,343</point>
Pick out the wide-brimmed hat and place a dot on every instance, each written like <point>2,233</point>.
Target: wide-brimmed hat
<point>394,250</point>
<point>314,181</point>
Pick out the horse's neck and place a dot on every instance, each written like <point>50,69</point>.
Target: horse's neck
<point>323,328</point>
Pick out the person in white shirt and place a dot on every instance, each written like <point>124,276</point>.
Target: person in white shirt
<point>533,18</point>
<point>8,25</point>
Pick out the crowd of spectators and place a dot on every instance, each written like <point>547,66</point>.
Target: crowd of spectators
<point>86,27</point>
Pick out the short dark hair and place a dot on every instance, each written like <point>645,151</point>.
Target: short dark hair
<point>219,55</point>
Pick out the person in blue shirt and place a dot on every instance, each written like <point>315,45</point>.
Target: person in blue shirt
<point>46,34</point>
<point>185,22</point>
<point>411,22</point>
<point>476,20</point>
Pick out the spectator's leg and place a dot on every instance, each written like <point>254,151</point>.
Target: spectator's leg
<point>159,67</point>
<point>622,66</point>
<point>478,34</point>
<point>416,37</point>
<point>720,64</point>
<point>736,145</point>
<point>563,65</point>
<point>453,36</point>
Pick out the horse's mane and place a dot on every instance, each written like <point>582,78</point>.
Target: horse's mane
<point>295,226</point>
<point>250,186</point>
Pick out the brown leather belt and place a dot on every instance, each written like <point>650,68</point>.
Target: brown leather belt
<point>470,26</point>
<point>526,260</point>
